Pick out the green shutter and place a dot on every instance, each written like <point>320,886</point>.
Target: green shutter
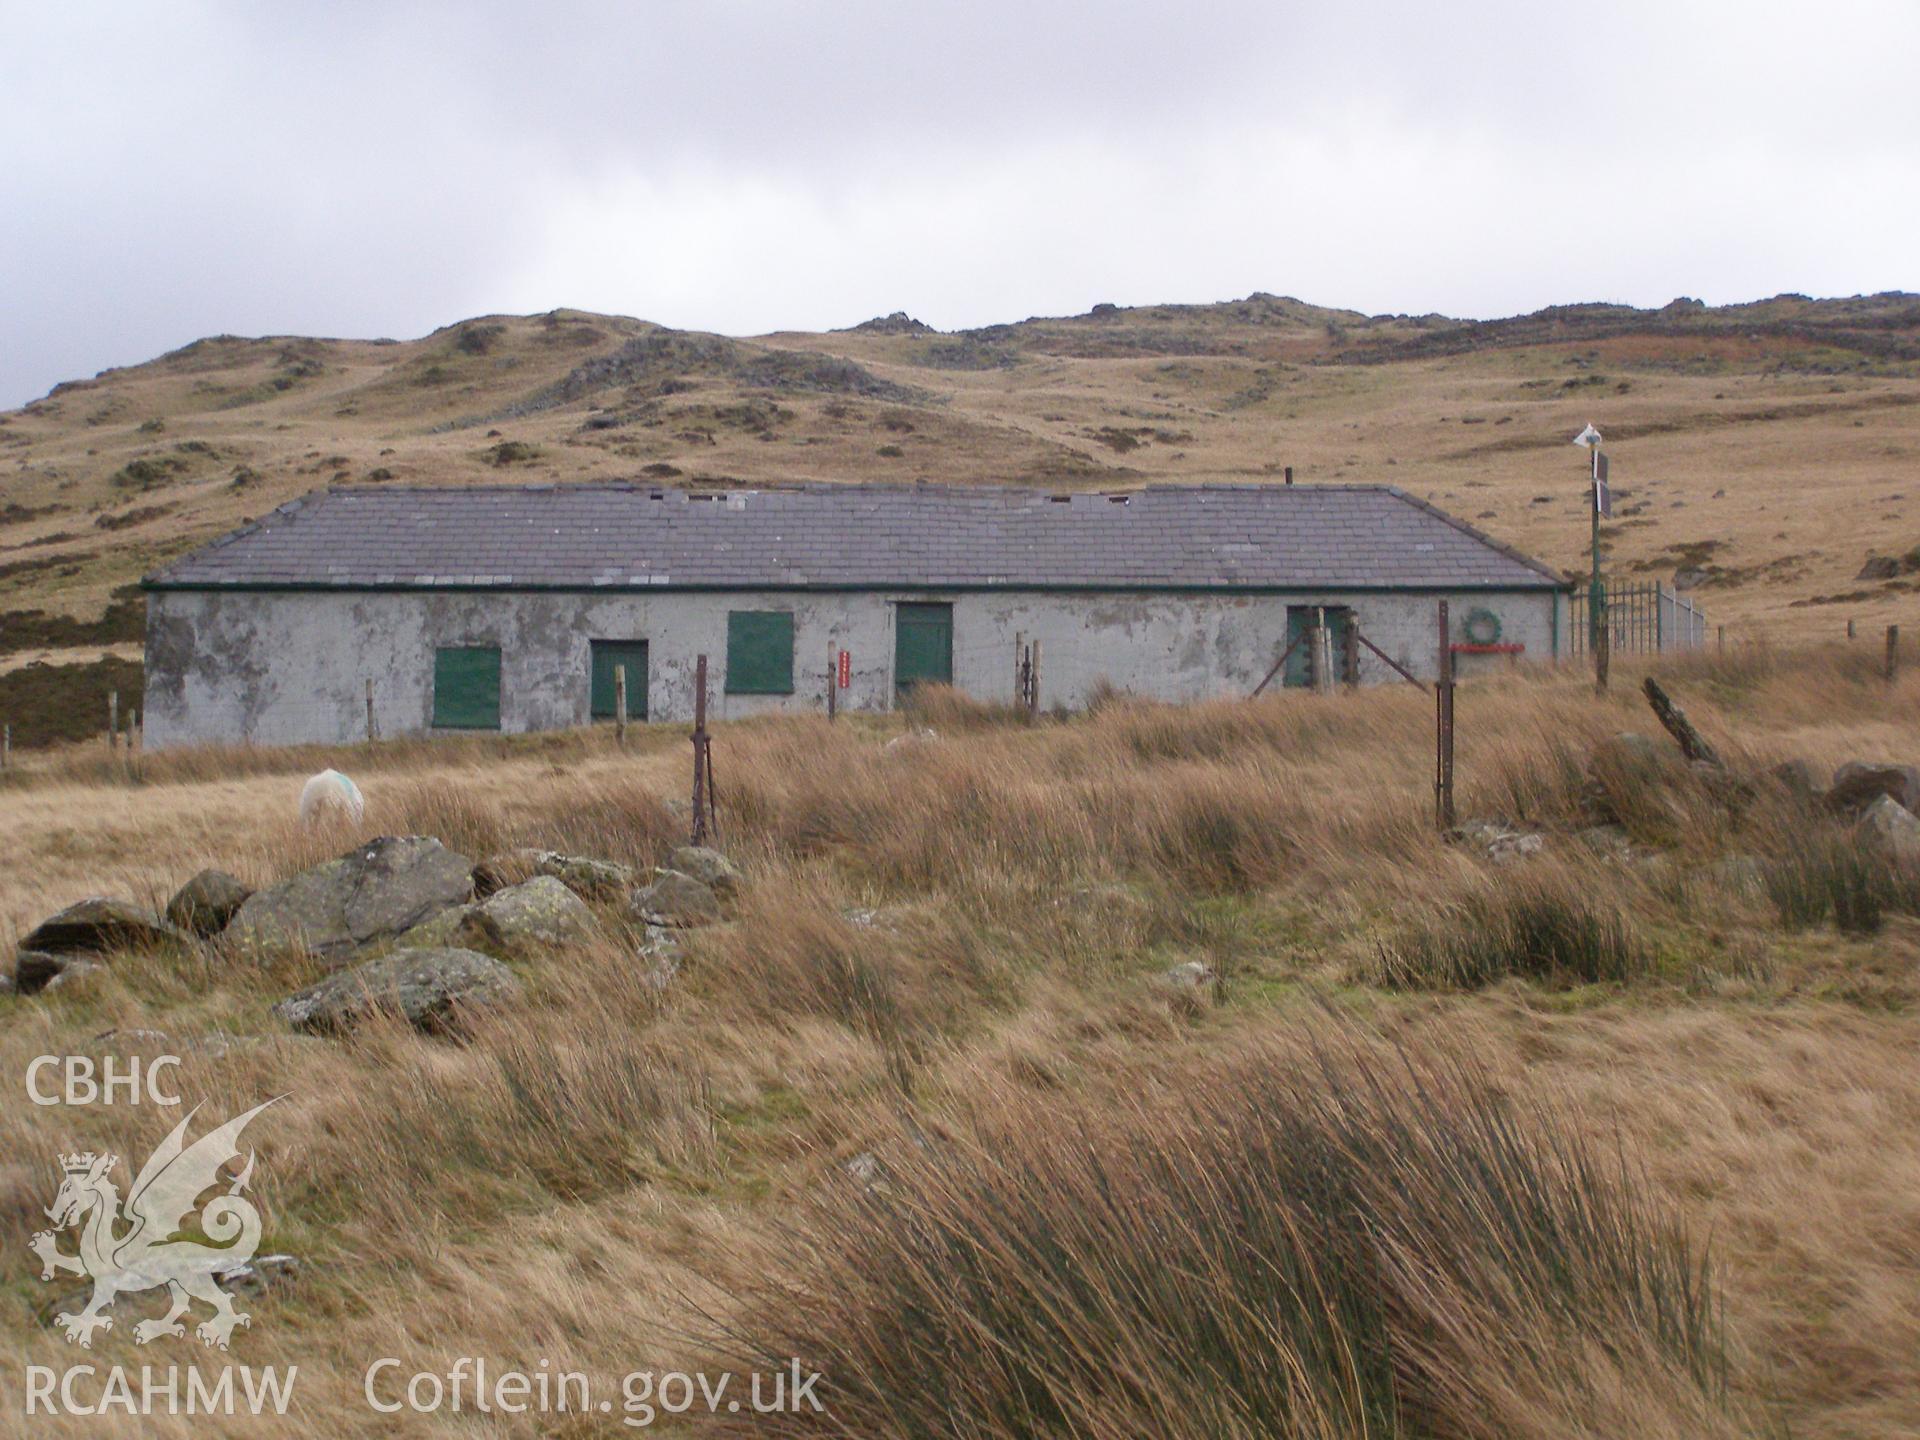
<point>606,655</point>
<point>466,687</point>
<point>760,652</point>
<point>922,645</point>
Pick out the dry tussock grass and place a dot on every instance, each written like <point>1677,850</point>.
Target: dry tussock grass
<point>1464,1213</point>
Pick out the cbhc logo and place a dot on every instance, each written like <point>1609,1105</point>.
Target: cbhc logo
<point>80,1080</point>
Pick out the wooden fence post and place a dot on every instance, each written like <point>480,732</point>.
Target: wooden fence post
<point>833,683</point>
<point>133,729</point>
<point>1350,662</point>
<point>1720,637</point>
<point>372,733</point>
<point>1850,629</point>
<point>1443,730</point>
<point>6,746</point>
<point>620,704</point>
<point>1893,652</point>
<point>700,751</point>
<point>1033,683</point>
<point>113,720</point>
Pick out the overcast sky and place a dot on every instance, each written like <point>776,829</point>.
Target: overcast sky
<point>375,167</point>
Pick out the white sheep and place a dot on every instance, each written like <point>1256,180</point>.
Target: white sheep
<point>330,795</point>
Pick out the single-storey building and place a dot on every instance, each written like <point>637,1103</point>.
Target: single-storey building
<point>509,607</point>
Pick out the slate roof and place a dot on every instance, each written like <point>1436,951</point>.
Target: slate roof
<point>627,536</point>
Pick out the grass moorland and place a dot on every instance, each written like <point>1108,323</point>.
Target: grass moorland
<point>1619,1138</point>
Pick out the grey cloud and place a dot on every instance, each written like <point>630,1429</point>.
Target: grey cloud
<point>373,168</point>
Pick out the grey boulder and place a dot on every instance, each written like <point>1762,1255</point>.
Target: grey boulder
<point>675,900</point>
<point>433,990</point>
<point>1892,829</point>
<point>207,902</point>
<point>374,892</point>
<point>709,867</point>
<point>536,914</point>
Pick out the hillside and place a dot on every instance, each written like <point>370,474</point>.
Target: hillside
<point>1766,449</point>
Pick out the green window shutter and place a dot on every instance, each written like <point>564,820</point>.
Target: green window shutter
<point>466,687</point>
<point>607,654</point>
<point>760,652</point>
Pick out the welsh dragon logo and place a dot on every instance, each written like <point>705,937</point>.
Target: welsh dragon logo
<point>151,1251</point>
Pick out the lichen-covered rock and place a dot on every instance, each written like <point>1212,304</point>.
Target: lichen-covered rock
<point>677,900</point>
<point>709,867</point>
<point>207,902</point>
<point>536,914</point>
<point>374,892</point>
<point>587,877</point>
<point>433,990</point>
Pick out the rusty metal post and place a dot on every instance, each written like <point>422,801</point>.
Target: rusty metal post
<point>1893,652</point>
<point>833,683</point>
<point>700,751</point>
<point>372,734</point>
<point>1443,730</point>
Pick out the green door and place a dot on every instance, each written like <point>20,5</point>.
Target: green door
<point>606,655</point>
<point>1299,621</point>
<point>922,646</point>
<point>466,687</point>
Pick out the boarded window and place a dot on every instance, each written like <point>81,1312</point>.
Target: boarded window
<point>760,652</point>
<point>606,655</point>
<point>466,687</point>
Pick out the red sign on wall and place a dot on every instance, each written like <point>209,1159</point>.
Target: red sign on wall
<point>846,669</point>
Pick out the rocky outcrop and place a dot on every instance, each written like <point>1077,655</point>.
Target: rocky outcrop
<point>207,902</point>
<point>375,892</point>
<point>92,928</point>
<point>433,990</point>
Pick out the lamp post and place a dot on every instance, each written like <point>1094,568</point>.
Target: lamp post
<point>1601,503</point>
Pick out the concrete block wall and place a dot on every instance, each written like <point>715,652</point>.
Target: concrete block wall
<point>291,667</point>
